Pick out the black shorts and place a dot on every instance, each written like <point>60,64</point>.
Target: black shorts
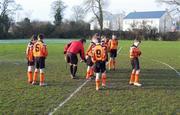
<point>72,58</point>
<point>135,63</point>
<point>40,62</point>
<point>106,57</point>
<point>89,61</point>
<point>113,53</point>
<point>30,63</point>
<point>100,67</point>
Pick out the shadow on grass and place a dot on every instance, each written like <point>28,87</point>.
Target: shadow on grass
<point>150,79</point>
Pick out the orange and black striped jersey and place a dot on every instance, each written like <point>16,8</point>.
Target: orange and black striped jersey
<point>134,52</point>
<point>89,50</point>
<point>113,44</point>
<point>99,53</point>
<point>29,51</point>
<point>40,49</point>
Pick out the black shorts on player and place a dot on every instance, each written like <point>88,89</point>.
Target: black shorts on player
<point>89,61</point>
<point>113,53</point>
<point>135,63</point>
<point>100,67</point>
<point>40,62</point>
<point>72,58</point>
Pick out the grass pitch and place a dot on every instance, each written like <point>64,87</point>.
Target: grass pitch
<point>160,93</point>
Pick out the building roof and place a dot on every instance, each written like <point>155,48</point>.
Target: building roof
<point>144,15</point>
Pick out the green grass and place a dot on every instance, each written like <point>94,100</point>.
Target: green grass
<point>160,94</point>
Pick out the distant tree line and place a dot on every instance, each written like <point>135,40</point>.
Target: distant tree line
<point>74,28</point>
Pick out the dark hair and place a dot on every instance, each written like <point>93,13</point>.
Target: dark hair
<point>83,40</point>
<point>34,37</point>
<point>41,36</point>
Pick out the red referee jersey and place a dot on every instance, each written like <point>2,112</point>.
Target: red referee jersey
<point>75,47</point>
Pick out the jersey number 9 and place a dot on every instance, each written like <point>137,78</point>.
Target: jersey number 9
<point>98,53</point>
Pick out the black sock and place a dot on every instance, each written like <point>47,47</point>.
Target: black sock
<point>71,69</point>
<point>74,71</point>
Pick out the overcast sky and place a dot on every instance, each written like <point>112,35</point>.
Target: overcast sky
<point>41,9</point>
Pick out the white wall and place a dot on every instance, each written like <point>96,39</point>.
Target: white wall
<point>154,23</point>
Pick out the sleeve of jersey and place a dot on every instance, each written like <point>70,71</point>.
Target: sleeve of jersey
<point>82,53</point>
<point>27,50</point>
<point>88,50</point>
<point>45,51</point>
<point>66,48</point>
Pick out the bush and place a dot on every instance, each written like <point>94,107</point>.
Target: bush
<point>170,36</point>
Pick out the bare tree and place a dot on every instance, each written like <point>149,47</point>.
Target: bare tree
<point>7,9</point>
<point>97,8</point>
<point>170,2</point>
<point>58,8</point>
<point>78,13</point>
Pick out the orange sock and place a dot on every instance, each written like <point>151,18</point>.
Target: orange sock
<point>29,76</point>
<point>114,63</point>
<point>42,77</point>
<point>136,78</point>
<point>110,63</point>
<point>97,84</point>
<point>35,76</point>
<point>104,80</point>
<point>91,71</point>
<point>88,74</point>
<point>132,78</point>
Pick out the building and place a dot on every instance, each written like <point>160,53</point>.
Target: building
<point>111,22</point>
<point>160,20</point>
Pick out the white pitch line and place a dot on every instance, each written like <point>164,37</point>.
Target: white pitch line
<point>66,100</point>
<point>77,90</point>
<point>178,73</point>
<point>119,50</point>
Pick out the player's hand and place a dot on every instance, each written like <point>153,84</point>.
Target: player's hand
<point>82,61</point>
<point>86,56</point>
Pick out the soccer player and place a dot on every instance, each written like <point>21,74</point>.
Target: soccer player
<point>90,69</point>
<point>113,44</point>
<point>30,57</point>
<point>134,54</point>
<point>99,59</point>
<point>40,53</point>
<point>71,50</point>
<point>104,43</point>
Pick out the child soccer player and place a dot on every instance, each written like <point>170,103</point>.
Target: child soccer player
<point>134,54</point>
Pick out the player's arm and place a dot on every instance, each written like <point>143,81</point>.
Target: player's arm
<point>82,52</point>
<point>45,51</point>
<point>66,47</point>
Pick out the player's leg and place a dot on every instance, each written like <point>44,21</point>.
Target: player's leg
<point>74,61</point>
<point>88,62</point>
<point>90,68</point>
<point>42,71</point>
<point>103,70</point>
<point>136,81</point>
<point>69,60</point>
<point>88,72</point>
<point>98,74</point>
<point>29,71</point>
<point>114,59</point>
<point>132,77</point>
<point>36,71</point>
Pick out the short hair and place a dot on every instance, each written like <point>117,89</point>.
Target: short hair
<point>83,40</point>
<point>40,36</point>
<point>34,37</point>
